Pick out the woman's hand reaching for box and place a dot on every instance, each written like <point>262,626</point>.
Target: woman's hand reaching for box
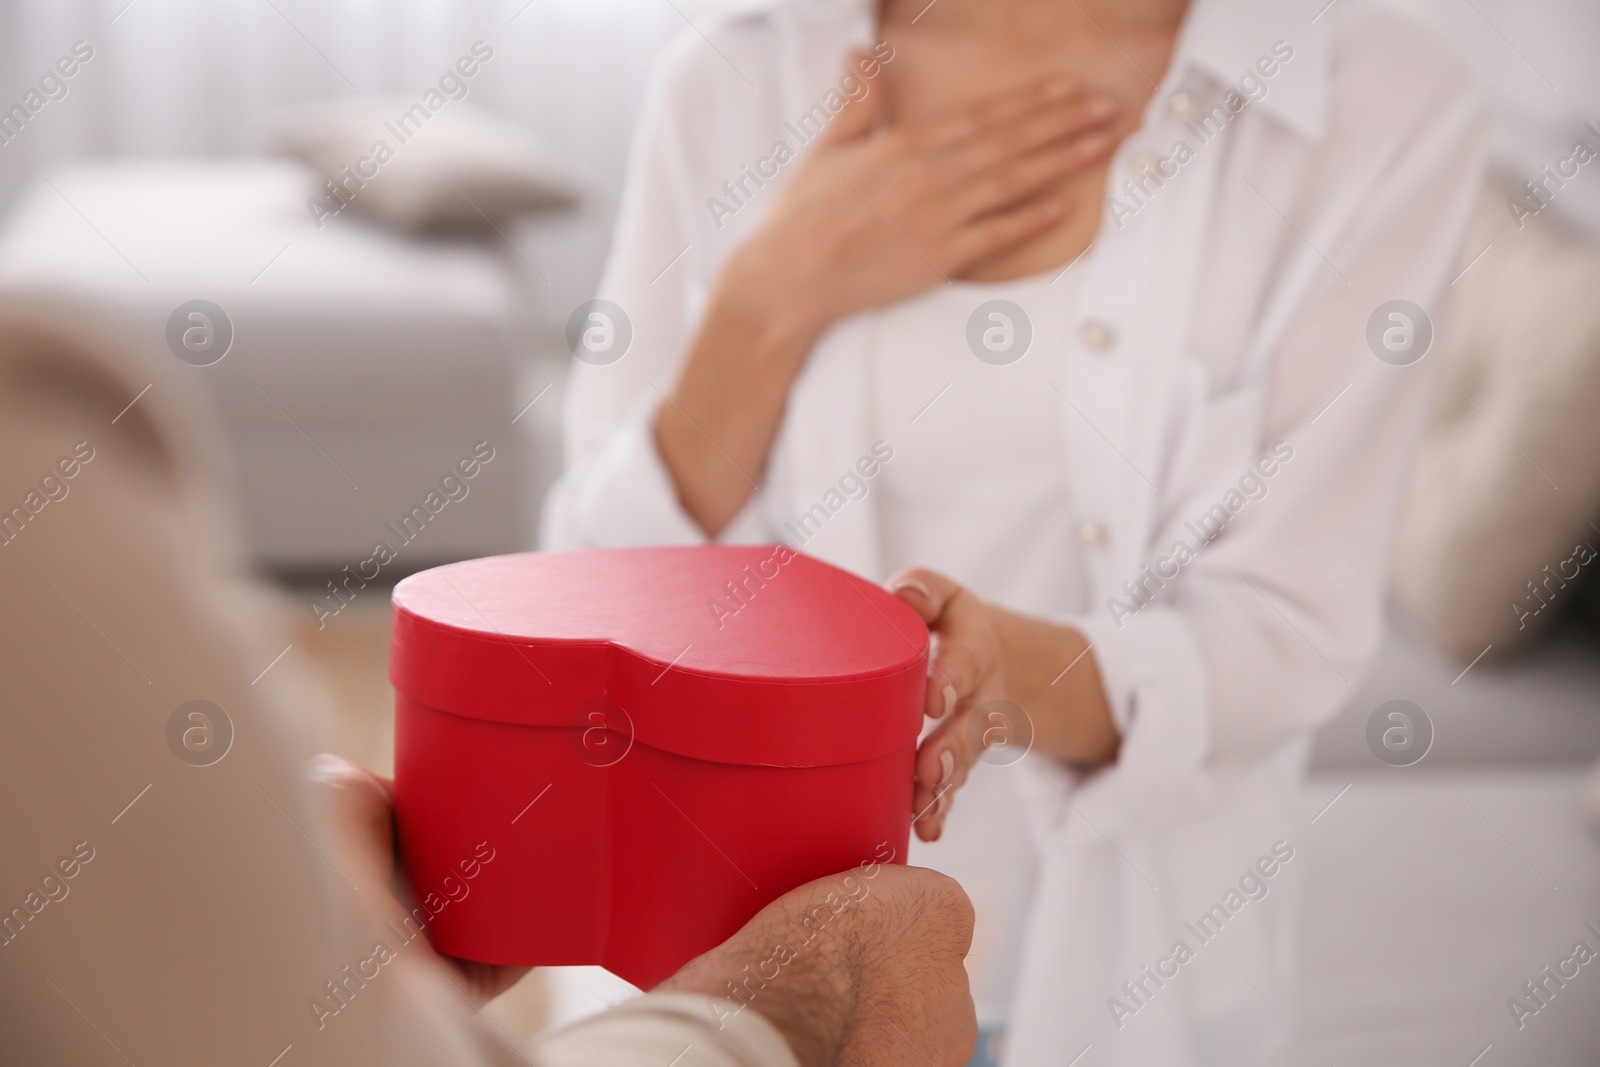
<point>986,653</point>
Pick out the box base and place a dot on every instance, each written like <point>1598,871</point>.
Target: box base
<point>557,846</point>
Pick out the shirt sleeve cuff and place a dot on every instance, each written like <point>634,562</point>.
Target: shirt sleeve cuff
<point>626,497</point>
<point>623,497</point>
<point>1157,684</point>
<point>684,1029</point>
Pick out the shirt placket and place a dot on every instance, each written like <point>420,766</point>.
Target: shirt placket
<point>1130,330</point>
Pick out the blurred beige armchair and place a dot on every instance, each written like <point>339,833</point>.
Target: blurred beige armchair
<point>1503,520</point>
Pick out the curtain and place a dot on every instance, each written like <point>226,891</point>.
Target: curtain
<point>196,77</point>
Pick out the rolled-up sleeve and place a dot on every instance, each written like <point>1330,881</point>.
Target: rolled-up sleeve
<point>622,494</point>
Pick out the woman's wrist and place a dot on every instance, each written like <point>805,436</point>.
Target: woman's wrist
<point>1051,673</point>
<point>721,416</point>
<point>766,281</point>
<point>751,345</point>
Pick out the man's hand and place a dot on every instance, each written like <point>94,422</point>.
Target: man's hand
<point>361,805</point>
<point>859,968</point>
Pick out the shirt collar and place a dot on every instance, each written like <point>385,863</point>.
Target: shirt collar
<point>1227,38</point>
<point>1222,38</point>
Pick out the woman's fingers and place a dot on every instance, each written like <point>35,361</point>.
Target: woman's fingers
<point>879,211</point>
<point>966,654</point>
<point>963,124</point>
<point>993,234</point>
<point>1032,137</point>
<point>1076,114</point>
<point>944,761</point>
<point>1015,181</point>
<point>964,674</point>
<point>926,591</point>
<point>962,663</point>
<point>999,185</point>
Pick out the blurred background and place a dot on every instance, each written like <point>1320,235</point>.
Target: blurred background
<point>364,323</point>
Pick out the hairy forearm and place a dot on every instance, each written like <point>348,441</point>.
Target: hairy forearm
<point>1050,671</point>
<point>716,427</point>
<point>807,997</point>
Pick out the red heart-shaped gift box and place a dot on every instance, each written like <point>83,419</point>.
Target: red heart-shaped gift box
<point>618,756</point>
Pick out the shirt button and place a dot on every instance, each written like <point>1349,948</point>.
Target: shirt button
<point>1179,104</point>
<point>1142,161</point>
<point>1092,534</point>
<point>1096,335</point>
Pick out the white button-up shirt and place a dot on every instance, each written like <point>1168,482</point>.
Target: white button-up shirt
<point>1240,404</point>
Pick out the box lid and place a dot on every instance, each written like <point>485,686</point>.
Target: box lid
<point>738,654</point>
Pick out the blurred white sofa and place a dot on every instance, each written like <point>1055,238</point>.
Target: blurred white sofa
<point>363,364</point>
<point>202,79</point>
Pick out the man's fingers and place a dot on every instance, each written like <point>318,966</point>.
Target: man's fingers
<point>351,783</point>
<point>361,805</point>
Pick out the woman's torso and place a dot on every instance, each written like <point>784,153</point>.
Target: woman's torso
<point>966,387</point>
<point>965,382</point>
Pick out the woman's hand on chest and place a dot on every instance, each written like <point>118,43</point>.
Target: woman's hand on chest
<point>947,56</point>
<point>876,213</point>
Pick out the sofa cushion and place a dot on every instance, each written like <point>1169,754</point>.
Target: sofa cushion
<point>459,168</point>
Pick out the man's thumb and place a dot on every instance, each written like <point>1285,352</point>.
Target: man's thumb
<point>860,114</point>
